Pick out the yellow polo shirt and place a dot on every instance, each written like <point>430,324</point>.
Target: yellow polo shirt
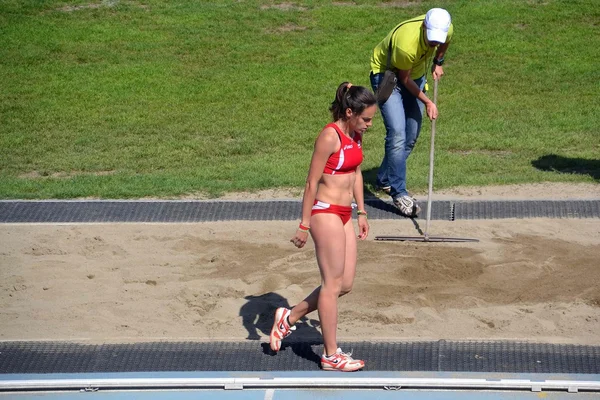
<point>409,48</point>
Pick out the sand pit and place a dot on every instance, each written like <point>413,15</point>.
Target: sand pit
<point>534,280</point>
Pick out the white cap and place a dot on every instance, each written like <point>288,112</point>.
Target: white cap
<point>437,23</point>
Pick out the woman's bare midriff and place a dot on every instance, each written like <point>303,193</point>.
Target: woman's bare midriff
<point>337,189</point>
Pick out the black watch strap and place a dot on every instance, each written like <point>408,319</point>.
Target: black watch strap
<point>437,61</point>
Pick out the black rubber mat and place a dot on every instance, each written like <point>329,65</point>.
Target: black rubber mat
<point>198,211</point>
<point>440,356</point>
<point>146,211</point>
<point>527,209</point>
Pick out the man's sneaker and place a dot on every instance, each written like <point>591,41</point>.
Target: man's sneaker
<point>407,205</point>
<point>341,361</point>
<point>281,328</point>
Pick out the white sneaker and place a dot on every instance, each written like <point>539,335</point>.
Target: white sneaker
<point>407,205</point>
<point>281,329</point>
<point>341,361</point>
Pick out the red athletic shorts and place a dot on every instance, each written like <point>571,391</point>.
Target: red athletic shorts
<point>344,212</point>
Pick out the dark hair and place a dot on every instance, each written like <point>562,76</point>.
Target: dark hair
<point>356,98</point>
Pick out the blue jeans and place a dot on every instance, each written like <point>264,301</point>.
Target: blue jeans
<point>402,116</point>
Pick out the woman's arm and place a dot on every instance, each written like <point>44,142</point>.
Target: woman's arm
<point>325,145</point>
<point>358,190</point>
<point>359,197</point>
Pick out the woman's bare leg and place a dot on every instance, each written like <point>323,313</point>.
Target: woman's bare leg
<point>350,259</point>
<point>306,306</point>
<point>329,237</point>
<point>310,303</point>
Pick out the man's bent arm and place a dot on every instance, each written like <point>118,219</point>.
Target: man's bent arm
<point>408,83</point>
<point>411,86</point>
<point>441,50</point>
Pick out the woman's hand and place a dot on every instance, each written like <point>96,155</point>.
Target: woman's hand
<point>300,238</point>
<point>363,228</point>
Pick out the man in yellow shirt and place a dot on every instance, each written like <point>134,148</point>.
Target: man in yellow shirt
<point>407,50</point>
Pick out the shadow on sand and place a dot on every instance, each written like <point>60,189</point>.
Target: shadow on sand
<point>257,316</point>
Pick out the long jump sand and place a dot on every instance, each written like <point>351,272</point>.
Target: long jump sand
<point>531,280</point>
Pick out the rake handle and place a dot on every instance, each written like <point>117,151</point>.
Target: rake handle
<point>431,156</point>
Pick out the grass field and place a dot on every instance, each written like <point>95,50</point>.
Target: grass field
<point>127,99</point>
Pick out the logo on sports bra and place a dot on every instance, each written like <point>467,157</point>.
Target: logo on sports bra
<point>348,146</point>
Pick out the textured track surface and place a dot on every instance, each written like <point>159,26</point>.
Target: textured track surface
<point>198,211</point>
<point>440,356</point>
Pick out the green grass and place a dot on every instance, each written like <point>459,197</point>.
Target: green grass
<point>127,99</point>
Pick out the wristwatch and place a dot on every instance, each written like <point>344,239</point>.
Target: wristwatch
<point>439,62</point>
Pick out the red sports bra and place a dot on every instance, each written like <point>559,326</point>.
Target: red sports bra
<point>348,157</point>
